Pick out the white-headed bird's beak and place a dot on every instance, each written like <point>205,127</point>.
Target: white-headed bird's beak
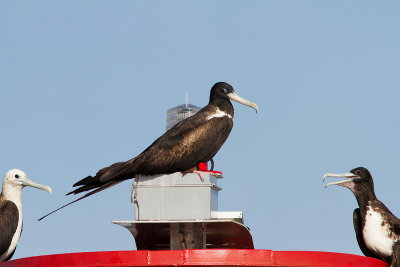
<point>28,182</point>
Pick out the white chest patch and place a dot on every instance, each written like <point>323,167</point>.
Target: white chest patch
<point>377,236</point>
<point>218,114</point>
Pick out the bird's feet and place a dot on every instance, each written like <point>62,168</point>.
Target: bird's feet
<point>199,173</point>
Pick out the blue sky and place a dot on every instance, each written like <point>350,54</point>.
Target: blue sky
<point>84,84</point>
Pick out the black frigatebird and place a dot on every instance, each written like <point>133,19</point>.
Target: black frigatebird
<point>189,142</point>
<point>377,229</point>
<point>11,210</point>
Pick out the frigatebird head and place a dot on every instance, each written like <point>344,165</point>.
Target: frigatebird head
<point>357,179</point>
<point>16,180</point>
<point>225,91</point>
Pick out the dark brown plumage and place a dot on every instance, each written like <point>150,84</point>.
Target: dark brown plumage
<point>8,225</point>
<point>189,142</point>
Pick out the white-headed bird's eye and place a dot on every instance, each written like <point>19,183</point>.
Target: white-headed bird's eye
<point>16,176</point>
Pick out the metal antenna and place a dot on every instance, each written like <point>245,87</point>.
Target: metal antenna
<point>187,98</point>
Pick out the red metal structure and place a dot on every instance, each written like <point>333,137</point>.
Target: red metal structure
<point>198,257</point>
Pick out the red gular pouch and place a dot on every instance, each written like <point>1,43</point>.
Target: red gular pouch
<point>203,167</point>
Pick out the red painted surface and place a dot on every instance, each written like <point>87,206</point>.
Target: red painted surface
<point>200,257</point>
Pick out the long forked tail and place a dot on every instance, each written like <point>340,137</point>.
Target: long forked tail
<point>86,184</point>
<point>85,196</point>
<point>116,172</point>
<point>104,178</point>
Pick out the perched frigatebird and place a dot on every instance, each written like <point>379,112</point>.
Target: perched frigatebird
<point>11,210</point>
<point>193,140</point>
<point>377,229</point>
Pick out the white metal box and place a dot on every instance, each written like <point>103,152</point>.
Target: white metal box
<point>175,197</point>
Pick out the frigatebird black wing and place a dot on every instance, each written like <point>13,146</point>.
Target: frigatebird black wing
<point>394,222</point>
<point>193,140</point>
<point>11,255</point>
<point>8,224</point>
<point>359,234</point>
<point>395,258</point>
<point>196,139</point>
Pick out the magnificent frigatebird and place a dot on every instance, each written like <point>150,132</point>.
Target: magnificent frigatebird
<point>377,229</point>
<point>189,142</point>
<point>11,210</point>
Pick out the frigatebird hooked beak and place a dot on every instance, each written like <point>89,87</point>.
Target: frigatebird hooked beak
<point>351,178</point>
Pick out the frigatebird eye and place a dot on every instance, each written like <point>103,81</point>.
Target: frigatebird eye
<point>17,176</point>
<point>358,172</point>
<point>224,90</point>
